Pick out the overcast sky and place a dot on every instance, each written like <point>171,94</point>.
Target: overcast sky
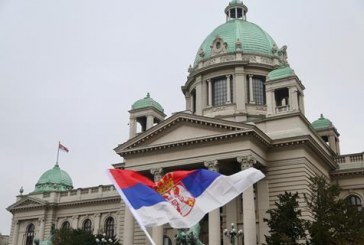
<point>70,71</point>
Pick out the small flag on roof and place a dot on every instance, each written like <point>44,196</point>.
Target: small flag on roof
<point>62,147</point>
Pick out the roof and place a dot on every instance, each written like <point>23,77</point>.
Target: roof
<point>54,179</point>
<point>281,72</point>
<point>253,39</point>
<point>322,123</point>
<point>146,102</point>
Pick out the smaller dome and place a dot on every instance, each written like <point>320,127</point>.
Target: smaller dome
<point>54,179</point>
<point>281,72</point>
<point>146,102</point>
<point>322,123</point>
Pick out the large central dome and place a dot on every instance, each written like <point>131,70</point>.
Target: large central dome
<point>237,35</point>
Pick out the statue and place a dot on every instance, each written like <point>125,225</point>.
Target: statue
<point>282,53</point>
<point>189,236</point>
<point>47,241</point>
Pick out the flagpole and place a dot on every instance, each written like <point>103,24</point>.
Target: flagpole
<point>58,153</point>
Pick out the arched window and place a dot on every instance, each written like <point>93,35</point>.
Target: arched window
<point>354,201</point>
<point>109,227</point>
<point>30,235</point>
<point>87,224</point>
<point>66,225</point>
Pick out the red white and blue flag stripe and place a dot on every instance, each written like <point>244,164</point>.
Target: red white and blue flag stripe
<point>180,198</point>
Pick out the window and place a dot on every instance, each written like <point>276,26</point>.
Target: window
<point>219,91</point>
<point>258,91</point>
<point>167,240</point>
<point>66,225</point>
<point>193,97</point>
<point>29,235</point>
<point>354,201</point>
<point>87,225</point>
<point>109,227</point>
<point>255,91</point>
<point>281,96</point>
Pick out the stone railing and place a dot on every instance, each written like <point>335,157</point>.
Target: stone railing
<point>98,190</point>
<point>350,161</point>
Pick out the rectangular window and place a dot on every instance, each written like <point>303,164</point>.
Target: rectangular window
<point>259,91</point>
<point>193,97</point>
<point>219,91</point>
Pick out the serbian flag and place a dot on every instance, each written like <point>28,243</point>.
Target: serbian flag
<point>62,147</point>
<point>180,198</point>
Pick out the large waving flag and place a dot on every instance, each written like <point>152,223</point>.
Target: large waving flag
<point>180,198</point>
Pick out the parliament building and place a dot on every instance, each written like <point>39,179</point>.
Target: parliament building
<point>245,107</point>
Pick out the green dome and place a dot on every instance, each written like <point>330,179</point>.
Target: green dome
<point>147,102</point>
<point>253,39</point>
<point>54,179</point>
<point>322,123</point>
<point>281,72</point>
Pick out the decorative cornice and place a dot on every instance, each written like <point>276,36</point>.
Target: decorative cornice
<point>157,173</point>
<point>212,165</point>
<point>347,172</point>
<point>246,161</point>
<point>101,199</point>
<point>134,145</point>
<point>195,141</point>
<point>308,141</point>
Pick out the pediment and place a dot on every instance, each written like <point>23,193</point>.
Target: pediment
<point>27,202</point>
<point>183,127</point>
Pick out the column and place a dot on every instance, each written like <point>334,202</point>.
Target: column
<point>228,89</point>
<point>188,101</point>
<point>270,104</point>
<point>332,143</point>
<point>293,99</point>
<point>240,92</point>
<point>263,207</point>
<point>251,94</point>
<point>150,122</point>
<point>16,232</point>
<point>249,219</point>
<point>96,223</point>
<point>214,216</point>
<point>209,93</point>
<point>41,228</point>
<point>157,232</point>
<point>128,236</point>
<point>75,222</point>
<point>132,127</point>
<point>199,96</point>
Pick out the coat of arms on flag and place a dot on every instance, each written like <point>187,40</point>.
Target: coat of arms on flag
<point>176,194</point>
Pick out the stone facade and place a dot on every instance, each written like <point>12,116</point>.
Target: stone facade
<point>4,240</point>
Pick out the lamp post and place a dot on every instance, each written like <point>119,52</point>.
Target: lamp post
<point>104,240</point>
<point>233,234</point>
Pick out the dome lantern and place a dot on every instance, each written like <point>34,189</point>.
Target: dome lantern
<point>236,10</point>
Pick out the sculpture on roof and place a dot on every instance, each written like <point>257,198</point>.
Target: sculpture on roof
<point>282,54</point>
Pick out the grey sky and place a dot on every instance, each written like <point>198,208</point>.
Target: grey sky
<point>70,70</point>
